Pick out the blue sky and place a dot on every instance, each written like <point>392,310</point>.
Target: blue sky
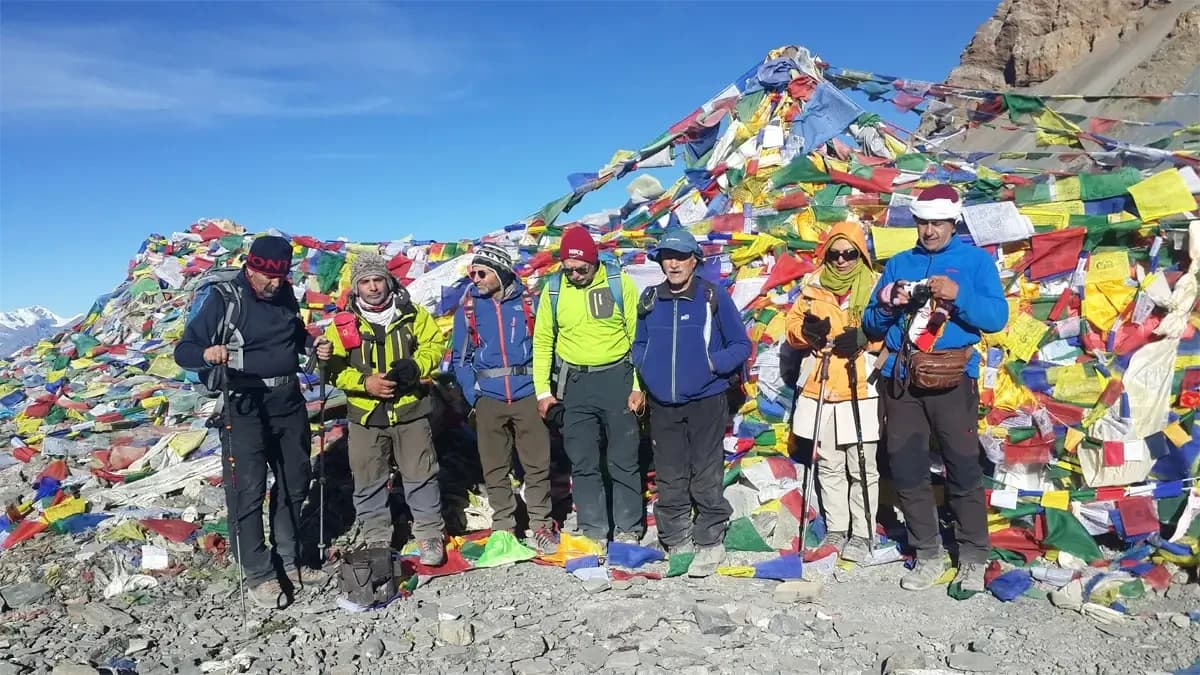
<point>367,120</point>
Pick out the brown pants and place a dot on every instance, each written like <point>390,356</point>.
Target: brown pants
<point>499,424</point>
<point>372,451</point>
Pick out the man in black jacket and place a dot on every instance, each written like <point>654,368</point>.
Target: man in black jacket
<point>267,417</point>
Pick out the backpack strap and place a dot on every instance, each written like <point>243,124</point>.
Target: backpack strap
<point>527,306</point>
<point>553,287</point>
<point>228,332</point>
<point>615,285</point>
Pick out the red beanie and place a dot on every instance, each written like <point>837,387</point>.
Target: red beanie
<point>577,244</point>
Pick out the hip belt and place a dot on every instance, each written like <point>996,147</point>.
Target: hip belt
<point>511,371</point>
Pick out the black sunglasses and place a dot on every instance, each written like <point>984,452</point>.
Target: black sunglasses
<point>851,254</point>
<point>576,270</point>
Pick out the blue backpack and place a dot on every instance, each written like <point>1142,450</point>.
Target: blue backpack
<point>218,280</point>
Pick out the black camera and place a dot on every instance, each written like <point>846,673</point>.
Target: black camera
<point>919,292</point>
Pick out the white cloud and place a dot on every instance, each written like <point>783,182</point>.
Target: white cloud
<point>313,60</point>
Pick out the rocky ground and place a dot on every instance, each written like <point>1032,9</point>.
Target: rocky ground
<point>534,619</point>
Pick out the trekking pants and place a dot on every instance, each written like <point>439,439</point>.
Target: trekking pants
<point>594,400</point>
<point>952,414</point>
<point>259,440</point>
<point>498,425</point>
<point>689,469</point>
<point>372,450</point>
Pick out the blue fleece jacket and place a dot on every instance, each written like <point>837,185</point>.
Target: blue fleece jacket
<point>505,341</point>
<point>682,352</point>
<point>979,308</point>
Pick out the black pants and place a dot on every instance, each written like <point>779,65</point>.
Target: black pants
<point>260,440</point>
<point>598,403</point>
<point>913,415</point>
<point>689,469</point>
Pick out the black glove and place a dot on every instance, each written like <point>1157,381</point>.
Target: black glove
<point>849,342</point>
<point>554,416</point>
<point>815,331</point>
<point>405,374</point>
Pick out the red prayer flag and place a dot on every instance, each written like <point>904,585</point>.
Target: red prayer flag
<point>1114,453</point>
<point>1138,515</point>
<point>1055,252</point>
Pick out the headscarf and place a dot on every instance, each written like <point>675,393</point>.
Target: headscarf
<point>860,279</point>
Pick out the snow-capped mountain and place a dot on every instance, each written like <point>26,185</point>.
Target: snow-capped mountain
<point>26,326</point>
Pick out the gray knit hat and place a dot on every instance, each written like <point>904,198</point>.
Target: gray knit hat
<point>368,265</point>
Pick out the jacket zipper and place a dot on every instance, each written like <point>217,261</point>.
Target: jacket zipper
<point>674,342</point>
<point>503,351</point>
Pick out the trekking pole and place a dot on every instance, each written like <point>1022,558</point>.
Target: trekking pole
<point>322,547</point>
<point>234,528</point>
<point>823,377</point>
<point>862,457</point>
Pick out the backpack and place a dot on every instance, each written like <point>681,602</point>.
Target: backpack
<point>218,280</point>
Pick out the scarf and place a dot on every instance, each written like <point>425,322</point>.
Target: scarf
<point>382,315</point>
<point>858,281</point>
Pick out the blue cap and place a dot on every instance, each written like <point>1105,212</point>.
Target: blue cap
<point>678,240</point>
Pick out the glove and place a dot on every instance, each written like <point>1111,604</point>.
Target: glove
<point>849,342</point>
<point>815,331</point>
<point>554,416</point>
<point>405,374</point>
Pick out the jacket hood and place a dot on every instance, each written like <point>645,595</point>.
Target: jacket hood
<point>851,232</point>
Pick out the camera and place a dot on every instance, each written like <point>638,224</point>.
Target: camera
<point>919,292</point>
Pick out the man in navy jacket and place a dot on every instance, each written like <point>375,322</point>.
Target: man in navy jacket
<point>493,361</point>
<point>690,340</point>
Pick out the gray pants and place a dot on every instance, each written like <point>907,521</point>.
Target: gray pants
<point>498,425</point>
<point>592,401</point>
<point>372,450</point>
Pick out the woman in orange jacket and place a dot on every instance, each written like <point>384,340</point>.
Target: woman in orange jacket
<point>831,303</point>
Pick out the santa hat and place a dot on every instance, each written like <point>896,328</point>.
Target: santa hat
<point>940,202</point>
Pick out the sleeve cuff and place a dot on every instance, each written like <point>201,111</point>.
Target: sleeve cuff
<point>542,397</point>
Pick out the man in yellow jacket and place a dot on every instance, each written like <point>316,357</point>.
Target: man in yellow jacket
<point>831,303</point>
<point>381,349</point>
<point>585,330</point>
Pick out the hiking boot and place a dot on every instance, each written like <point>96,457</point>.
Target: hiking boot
<point>681,549</point>
<point>707,560</point>
<point>308,577</point>
<point>970,577</point>
<point>856,550</point>
<point>924,574</point>
<point>634,538</point>
<point>834,539</point>
<point>433,551</point>
<point>545,540</point>
<point>268,595</point>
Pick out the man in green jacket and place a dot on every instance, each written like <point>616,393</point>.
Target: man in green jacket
<point>380,351</point>
<point>585,330</point>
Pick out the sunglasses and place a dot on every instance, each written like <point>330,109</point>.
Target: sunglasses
<point>576,270</point>
<point>851,254</point>
<point>477,274</point>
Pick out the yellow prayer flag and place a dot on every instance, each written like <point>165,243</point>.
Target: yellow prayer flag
<point>1074,438</point>
<point>1110,266</point>
<point>740,571</point>
<point>1103,302</point>
<point>1073,207</point>
<point>1163,194</point>
<point>185,442</point>
<point>1176,434</point>
<point>153,402</point>
<point>1054,129</point>
<point>1045,218</point>
<point>67,507</point>
<point>892,240</point>
<point>1056,499</point>
<point>1067,189</point>
<point>1025,336</point>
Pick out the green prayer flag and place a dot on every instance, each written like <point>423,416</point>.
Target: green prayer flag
<point>1107,184</point>
<point>1020,104</point>
<point>1170,508</point>
<point>913,162</point>
<point>1019,512</point>
<point>678,564</point>
<point>743,536</point>
<point>799,170</point>
<point>955,591</point>
<point>329,268</point>
<point>1065,533</point>
<point>748,104</point>
<point>732,474</point>
<point>503,549</point>
<point>552,210</point>
<point>830,214</point>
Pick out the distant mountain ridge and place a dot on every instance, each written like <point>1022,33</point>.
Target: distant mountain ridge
<point>23,327</point>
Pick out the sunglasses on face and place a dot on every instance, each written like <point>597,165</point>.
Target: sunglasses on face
<point>849,255</point>
<point>575,270</point>
<point>477,274</point>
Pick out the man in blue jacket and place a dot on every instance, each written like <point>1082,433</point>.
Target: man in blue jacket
<point>493,361</point>
<point>690,340</point>
<point>931,305</point>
